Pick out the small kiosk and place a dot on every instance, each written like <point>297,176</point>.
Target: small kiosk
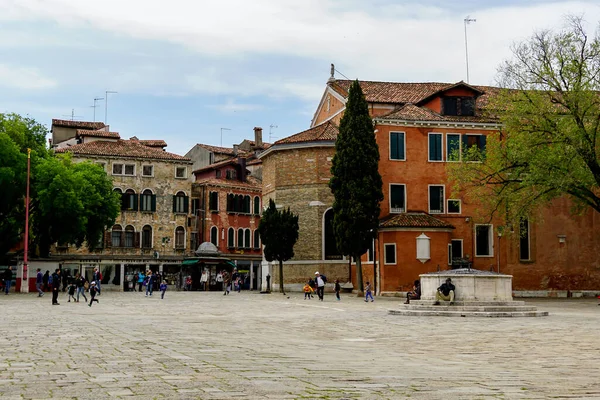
<point>208,260</point>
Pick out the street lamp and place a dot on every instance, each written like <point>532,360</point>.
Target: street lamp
<point>467,21</point>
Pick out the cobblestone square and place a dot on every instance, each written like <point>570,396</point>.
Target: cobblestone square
<point>195,345</point>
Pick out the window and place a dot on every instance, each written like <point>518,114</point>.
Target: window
<point>147,237</point>
<point>371,252</point>
<point>330,247</point>
<point>123,169</point>
<point>397,198</point>
<point>214,236</point>
<point>230,174</point>
<point>247,238</point>
<point>211,158</point>
<point>117,169</point>
<point>218,174</point>
<point>256,205</point>
<point>435,147</point>
<point>256,239</point>
<point>129,236</point>
<point>484,240</point>
<point>389,253</point>
<point>195,206</point>
<point>181,172</point>
<point>455,105</point>
<point>455,250</point>
<point>238,203</point>
<point>180,203</point>
<point>246,207</point>
<point>148,201</point>
<point>524,243</point>
<point>231,238</point>
<point>453,206</point>
<point>147,170</point>
<point>240,238</point>
<point>436,199</point>
<point>129,201</point>
<point>180,237</point>
<point>453,147</point>
<point>473,141</point>
<point>213,201</point>
<point>129,169</point>
<point>116,236</point>
<point>397,146</point>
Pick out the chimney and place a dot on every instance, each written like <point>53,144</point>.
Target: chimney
<point>242,164</point>
<point>258,137</point>
<point>235,149</point>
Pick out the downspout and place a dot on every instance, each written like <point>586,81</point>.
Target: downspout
<point>203,211</point>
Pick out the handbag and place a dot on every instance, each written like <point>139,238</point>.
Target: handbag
<point>86,285</point>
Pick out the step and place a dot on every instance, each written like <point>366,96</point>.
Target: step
<point>445,313</point>
<point>467,308</point>
<point>469,303</point>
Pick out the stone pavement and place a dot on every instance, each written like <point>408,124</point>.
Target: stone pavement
<point>252,346</point>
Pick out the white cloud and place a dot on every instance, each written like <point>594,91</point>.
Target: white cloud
<point>231,106</point>
<point>24,78</point>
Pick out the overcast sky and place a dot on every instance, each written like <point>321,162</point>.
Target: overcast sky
<point>184,69</point>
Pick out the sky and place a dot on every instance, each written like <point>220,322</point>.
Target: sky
<point>198,71</point>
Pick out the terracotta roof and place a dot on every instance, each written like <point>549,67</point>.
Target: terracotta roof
<point>251,182</point>
<point>97,133</point>
<point>402,93</point>
<point>413,220</point>
<point>234,160</point>
<point>411,112</point>
<point>254,162</point>
<point>154,143</point>
<point>327,131</point>
<point>78,124</point>
<point>121,148</point>
<point>264,146</point>
<point>217,149</point>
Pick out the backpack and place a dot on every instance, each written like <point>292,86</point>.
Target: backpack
<point>49,279</point>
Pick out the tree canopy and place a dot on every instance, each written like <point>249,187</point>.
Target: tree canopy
<point>355,181</point>
<point>278,231</point>
<point>549,113</point>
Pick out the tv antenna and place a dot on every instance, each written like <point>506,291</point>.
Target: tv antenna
<point>96,99</point>
<point>467,21</point>
<point>270,130</point>
<point>72,115</point>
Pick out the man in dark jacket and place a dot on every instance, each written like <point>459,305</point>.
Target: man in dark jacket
<point>445,292</point>
<point>39,282</point>
<point>55,287</point>
<point>8,275</point>
<point>415,294</point>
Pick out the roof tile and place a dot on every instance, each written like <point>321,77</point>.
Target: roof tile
<point>413,220</point>
<point>78,124</point>
<point>327,131</point>
<point>121,148</point>
<point>97,133</point>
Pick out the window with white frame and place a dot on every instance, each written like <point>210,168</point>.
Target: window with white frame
<point>147,170</point>
<point>180,237</point>
<point>397,198</point>
<point>435,147</point>
<point>247,238</point>
<point>477,141</point>
<point>397,146</point>
<point>129,170</point>
<point>455,250</point>
<point>256,239</point>
<point>389,253</point>
<point>453,147</point>
<point>454,206</point>
<point>371,252</point>
<point>484,240</point>
<point>240,238</point>
<point>148,201</point>
<point>147,237</point>
<point>123,169</point>
<point>214,236</point>
<point>436,199</point>
<point>524,241</point>
<point>180,172</point>
<point>231,238</point>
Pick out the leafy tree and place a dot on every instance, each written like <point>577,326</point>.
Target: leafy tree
<point>355,182</point>
<point>550,116</point>
<point>278,232</point>
<point>74,203</point>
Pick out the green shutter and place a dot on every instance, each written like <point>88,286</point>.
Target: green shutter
<point>394,146</point>
<point>153,203</point>
<point>174,203</point>
<point>186,204</point>
<point>435,147</point>
<point>135,202</point>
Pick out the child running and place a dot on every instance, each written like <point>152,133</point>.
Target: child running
<point>163,289</point>
<point>93,292</point>
<point>71,292</point>
<point>368,293</point>
<point>307,291</point>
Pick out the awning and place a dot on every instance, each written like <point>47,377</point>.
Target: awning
<point>231,263</point>
<point>189,262</point>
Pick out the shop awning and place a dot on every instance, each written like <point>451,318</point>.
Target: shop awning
<point>189,262</point>
<point>231,263</point>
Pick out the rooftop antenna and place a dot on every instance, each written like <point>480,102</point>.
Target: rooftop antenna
<point>271,128</point>
<point>106,93</point>
<point>467,21</point>
<point>96,99</point>
<point>223,129</point>
<point>72,115</point>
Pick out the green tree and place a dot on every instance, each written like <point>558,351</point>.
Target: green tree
<point>549,142</point>
<point>278,232</point>
<point>74,203</point>
<point>355,181</point>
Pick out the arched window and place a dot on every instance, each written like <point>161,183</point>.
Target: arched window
<point>147,237</point>
<point>240,238</point>
<point>179,237</point>
<point>330,248</point>
<point>256,205</point>
<point>180,203</point>
<point>116,235</point>
<point>129,236</point>
<point>247,239</point>
<point>214,236</point>
<point>246,204</point>
<point>256,239</point>
<point>230,202</point>
<point>148,201</point>
<point>231,238</point>
<point>129,201</point>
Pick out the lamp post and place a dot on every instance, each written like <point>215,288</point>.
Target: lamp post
<point>467,21</point>
<point>24,283</point>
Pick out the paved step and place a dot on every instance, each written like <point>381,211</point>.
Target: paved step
<point>447,313</point>
<point>468,308</point>
<point>469,303</point>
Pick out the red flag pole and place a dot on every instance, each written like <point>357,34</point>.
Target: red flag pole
<point>25,284</point>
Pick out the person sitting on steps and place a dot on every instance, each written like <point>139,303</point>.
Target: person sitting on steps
<point>415,294</point>
<point>445,292</point>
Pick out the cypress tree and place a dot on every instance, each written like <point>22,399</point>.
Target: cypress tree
<point>355,182</point>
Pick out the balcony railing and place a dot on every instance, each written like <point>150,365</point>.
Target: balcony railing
<point>396,210</point>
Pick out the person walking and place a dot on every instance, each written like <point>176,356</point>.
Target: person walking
<point>337,289</point>
<point>97,277</point>
<point>39,282</point>
<point>204,280</point>
<point>320,285</point>
<point>140,280</point>
<point>163,289</point>
<point>7,279</point>
<point>226,282</point>
<point>80,281</point>
<point>46,280</point>
<point>71,291</point>
<point>55,287</point>
<point>149,282</point>
<point>93,291</point>
<point>368,293</point>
